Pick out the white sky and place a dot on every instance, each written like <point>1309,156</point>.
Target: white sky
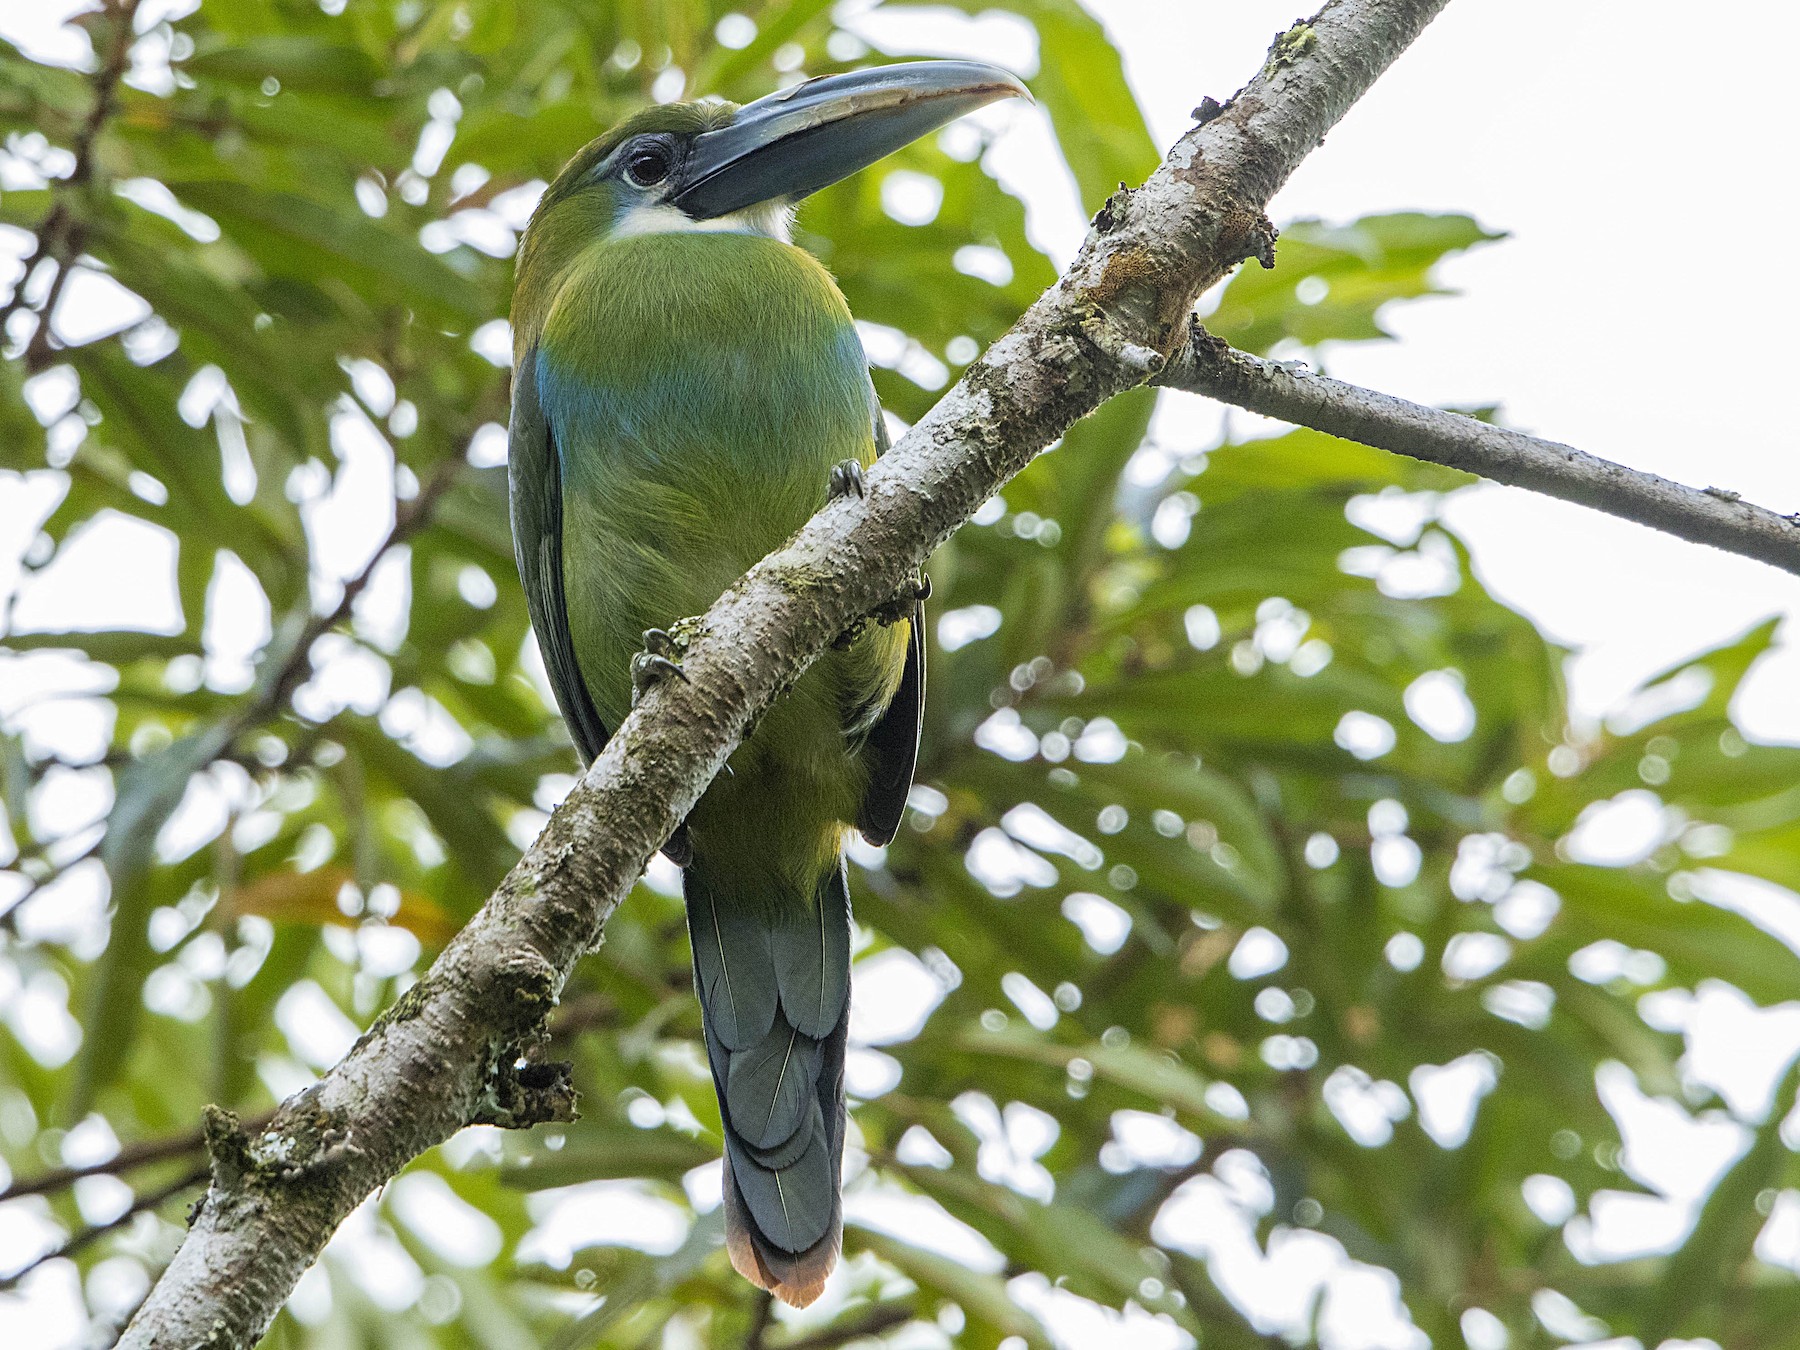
<point>1635,313</point>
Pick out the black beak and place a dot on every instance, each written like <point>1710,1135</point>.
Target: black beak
<point>801,139</point>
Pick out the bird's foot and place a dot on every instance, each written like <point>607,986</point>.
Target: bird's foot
<point>905,603</point>
<point>680,847</point>
<point>846,479</point>
<point>660,659</point>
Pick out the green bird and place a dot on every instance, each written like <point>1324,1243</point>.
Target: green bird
<point>688,388</point>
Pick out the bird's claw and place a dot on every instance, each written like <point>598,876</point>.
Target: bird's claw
<point>657,662</point>
<point>846,479</point>
<point>649,670</point>
<point>904,605</point>
<point>661,642</point>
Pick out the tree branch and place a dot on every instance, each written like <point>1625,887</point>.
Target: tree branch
<point>150,1200</point>
<point>1207,365</point>
<point>60,236</point>
<point>760,1322</point>
<point>434,1062</point>
<point>291,664</point>
<point>36,880</point>
<point>132,1156</point>
<point>868,1322</point>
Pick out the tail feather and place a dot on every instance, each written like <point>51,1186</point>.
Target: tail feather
<point>812,960</point>
<point>768,1087</point>
<point>784,1155</point>
<point>733,965</point>
<point>774,992</point>
<point>794,1278</point>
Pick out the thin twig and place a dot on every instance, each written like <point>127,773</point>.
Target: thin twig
<point>760,1321</point>
<point>9,917</point>
<point>294,666</point>
<point>148,1201</point>
<point>870,1321</point>
<point>38,351</point>
<point>139,1154</point>
<point>61,234</point>
<point>1715,516</point>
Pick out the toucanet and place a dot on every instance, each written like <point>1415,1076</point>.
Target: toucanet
<point>689,387</point>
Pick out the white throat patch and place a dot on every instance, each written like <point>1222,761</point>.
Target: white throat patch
<point>771,219</point>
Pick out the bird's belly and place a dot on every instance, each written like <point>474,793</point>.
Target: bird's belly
<point>667,527</point>
<point>688,453</point>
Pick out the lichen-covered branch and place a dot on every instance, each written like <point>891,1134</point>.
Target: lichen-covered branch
<point>463,1041</point>
<point>1711,515</point>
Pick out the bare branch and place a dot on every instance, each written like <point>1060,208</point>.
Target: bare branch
<point>149,1200</point>
<point>131,1156</point>
<point>760,1322</point>
<point>37,879</point>
<point>860,1324</point>
<point>61,234</point>
<point>290,665</point>
<point>869,1321</point>
<point>1709,515</point>
<point>432,1063</point>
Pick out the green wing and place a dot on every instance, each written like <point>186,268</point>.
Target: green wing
<point>534,479</point>
<point>891,748</point>
<point>534,476</point>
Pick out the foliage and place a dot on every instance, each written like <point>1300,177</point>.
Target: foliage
<point>1250,831</point>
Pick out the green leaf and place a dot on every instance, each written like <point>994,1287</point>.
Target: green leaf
<point>1081,84</point>
<point>148,792</point>
<point>1330,281</point>
<point>304,240</point>
<point>982,1297</point>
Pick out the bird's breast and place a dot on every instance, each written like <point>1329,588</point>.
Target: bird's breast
<point>699,387</point>
<point>716,346</point>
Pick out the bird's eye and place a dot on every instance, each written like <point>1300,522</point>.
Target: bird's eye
<point>647,165</point>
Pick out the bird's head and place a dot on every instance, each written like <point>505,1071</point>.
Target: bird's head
<point>715,165</point>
